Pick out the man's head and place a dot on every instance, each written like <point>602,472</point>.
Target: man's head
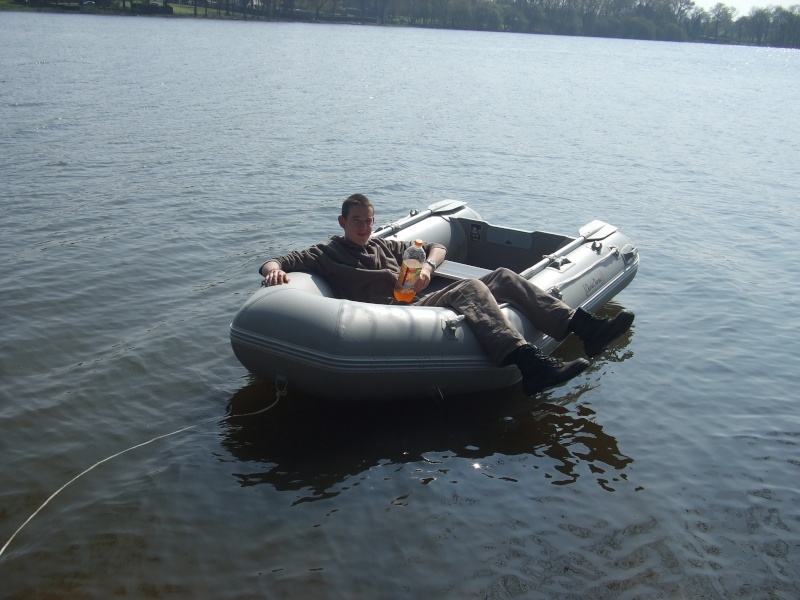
<point>355,200</point>
<point>357,219</point>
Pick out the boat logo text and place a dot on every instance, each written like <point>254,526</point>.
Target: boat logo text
<point>590,286</point>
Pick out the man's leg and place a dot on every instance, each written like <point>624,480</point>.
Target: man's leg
<point>548,314</point>
<point>552,316</point>
<point>504,344</point>
<point>473,299</point>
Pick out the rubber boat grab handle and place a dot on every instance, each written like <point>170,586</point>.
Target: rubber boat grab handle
<point>436,208</point>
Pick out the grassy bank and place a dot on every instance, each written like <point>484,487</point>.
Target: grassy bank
<point>178,10</point>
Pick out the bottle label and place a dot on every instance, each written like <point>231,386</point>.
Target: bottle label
<point>409,274</point>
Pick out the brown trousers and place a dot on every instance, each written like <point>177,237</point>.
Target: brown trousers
<point>478,300</point>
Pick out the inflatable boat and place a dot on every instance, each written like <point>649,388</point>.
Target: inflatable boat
<point>304,339</point>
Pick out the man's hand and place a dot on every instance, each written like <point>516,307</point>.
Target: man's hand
<point>424,278</point>
<point>275,277</point>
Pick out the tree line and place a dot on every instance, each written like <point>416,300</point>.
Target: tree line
<point>665,20</point>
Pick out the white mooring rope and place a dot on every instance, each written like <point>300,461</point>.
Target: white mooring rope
<point>279,393</point>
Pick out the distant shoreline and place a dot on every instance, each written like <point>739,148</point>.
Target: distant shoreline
<point>768,27</point>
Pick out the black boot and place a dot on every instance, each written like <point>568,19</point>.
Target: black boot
<point>597,333</point>
<point>540,371</point>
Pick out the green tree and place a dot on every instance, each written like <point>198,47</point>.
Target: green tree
<point>638,28</point>
<point>681,9</point>
<point>672,32</point>
<point>786,27</point>
<point>460,12</point>
<point>697,22</point>
<point>758,25</point>
<point>721,18</point>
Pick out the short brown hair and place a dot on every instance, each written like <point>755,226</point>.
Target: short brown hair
<point>354,199</point>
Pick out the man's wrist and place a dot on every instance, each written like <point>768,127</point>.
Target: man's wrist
<point>266,271</point>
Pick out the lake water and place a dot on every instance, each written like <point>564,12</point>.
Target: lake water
<point>149,166</point>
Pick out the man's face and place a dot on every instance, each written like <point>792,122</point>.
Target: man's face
<point>358,224</point>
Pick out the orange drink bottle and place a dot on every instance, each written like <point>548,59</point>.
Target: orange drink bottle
<point>413,259</point>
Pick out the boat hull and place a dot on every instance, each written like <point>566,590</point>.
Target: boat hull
<point>300,336</point>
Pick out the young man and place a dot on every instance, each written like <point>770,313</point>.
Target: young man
<point>365,269</point>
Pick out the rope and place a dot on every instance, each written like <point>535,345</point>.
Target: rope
<point>279,393</point>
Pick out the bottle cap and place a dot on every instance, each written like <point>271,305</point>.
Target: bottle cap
<point>418,242</point>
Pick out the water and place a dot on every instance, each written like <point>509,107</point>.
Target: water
<point>149,166</point>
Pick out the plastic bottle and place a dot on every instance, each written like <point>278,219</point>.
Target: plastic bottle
<point>413,259</point>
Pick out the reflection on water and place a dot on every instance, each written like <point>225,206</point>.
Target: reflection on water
<point>315,445</point>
